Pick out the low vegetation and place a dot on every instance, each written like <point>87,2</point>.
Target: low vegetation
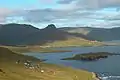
<point>25,49</point>
<point>90,56</point>
<point>9,70</point>
<point>74,42</point>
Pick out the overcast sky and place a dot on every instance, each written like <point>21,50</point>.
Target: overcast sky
<point>63,13</point>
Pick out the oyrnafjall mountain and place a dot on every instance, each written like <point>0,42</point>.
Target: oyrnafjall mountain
<point>24,34</point>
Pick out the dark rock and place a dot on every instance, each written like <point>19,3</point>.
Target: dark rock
<point>51,26</point>
<point>2,71</point>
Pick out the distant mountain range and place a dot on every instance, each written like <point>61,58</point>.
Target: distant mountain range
<point>23,34</point>
<point>101,34</point>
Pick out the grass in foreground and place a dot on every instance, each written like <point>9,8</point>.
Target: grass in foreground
<point>9,70</point>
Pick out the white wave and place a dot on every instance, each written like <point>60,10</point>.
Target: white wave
<point>110,77</point>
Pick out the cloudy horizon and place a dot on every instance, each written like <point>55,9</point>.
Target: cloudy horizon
<point>62,13</point>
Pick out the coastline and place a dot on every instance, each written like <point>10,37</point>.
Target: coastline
<point>95,76</point>
<point>51,71</point>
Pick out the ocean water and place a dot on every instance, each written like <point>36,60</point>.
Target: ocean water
<point>107,69</point>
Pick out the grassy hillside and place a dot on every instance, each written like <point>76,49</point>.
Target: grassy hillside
<point>25,49</point>
<point>101,34</point>
<point>74,41</point>
<point>9,70</point>
<point>23,34</point>
<point>82,30</point>
<point>105,34</point>
<point>11,34</point>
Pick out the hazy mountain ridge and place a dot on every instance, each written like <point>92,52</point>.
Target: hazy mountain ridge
<point>23,34</point>
<point>101,34</point>
<point>82,30</point>
<point>14,33</point>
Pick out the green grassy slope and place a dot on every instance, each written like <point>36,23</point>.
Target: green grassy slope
<point>75,42</point>
<point>9,70</point>
<point>101,34</point>
<point>81,30</point>
<point>26,49</point>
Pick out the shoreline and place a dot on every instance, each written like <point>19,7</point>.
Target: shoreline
<point>15,71</point>
<point>76,46</point>
<point>95,76</point>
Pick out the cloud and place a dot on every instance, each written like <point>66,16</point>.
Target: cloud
<point>4,12</point>
<point>65,1</point>
<point>46,1</point>
<point>71,18</point>
<point>92,4</point>
<point>95,13</point>
<point>50,15</point>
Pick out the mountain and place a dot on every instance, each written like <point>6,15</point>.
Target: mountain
<point>23,34</point>
<point>15,33</point>
<point>105,34</point>
<point>82,30</point>
<point>101,34</point>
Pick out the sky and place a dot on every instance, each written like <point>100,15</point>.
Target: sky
<point>62,13</point>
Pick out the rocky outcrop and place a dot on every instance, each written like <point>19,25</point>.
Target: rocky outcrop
<point>95,76</point>
<point>1,71</point>
<point>94,57</point>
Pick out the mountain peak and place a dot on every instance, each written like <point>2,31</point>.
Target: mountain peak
<point>51,26</point>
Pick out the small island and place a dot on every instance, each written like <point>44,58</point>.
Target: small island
<point>91,56</point>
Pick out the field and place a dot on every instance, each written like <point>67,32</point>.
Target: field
<point>26,49</point>
<point>74,42</point>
